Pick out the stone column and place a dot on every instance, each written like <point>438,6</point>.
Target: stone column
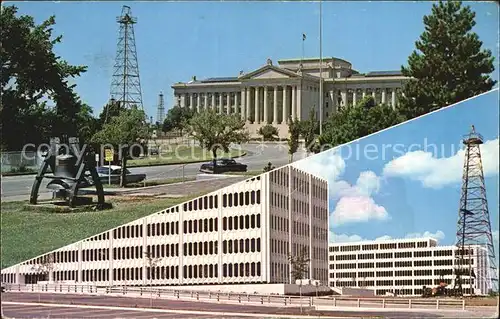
<point>335,101</point>
<point>299,103</point>
<point>198,102</point>
<point>384,99</point>
<point>213,101</point>
<point>183,100</point>
<point>266,104</point>
<point>243,104</point>
<point>285,105</point>
<point>191,101</point>
<point>374,95</point>
<point>393,98</point>
<point>236,103</point>
<point>228,100</point>
<point>275,105</point>
<point>249,99</point>
<point>364,93</point>
<point>221,105</point>
<point>343,94</point>
<point>257,106</point>
<point>205,104</point>
<point>294,102</point>
<point>354,97</point>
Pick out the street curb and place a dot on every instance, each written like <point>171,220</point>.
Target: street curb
<point>133,166</point>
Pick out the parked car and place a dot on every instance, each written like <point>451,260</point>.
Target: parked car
<point>223,165</point>
<point>116,171</point>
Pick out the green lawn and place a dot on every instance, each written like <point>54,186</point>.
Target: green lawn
<point>155,182</point>
<point>27,233</point>
<point>180,154</point>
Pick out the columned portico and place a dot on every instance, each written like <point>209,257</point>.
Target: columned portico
<point>295,91</point>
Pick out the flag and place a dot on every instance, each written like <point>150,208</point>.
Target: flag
<point>303,36</point>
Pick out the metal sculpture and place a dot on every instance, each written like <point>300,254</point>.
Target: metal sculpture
<point>72,167</point>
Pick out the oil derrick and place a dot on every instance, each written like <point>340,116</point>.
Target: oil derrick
<point>473,226</point>
<point>126,84</point>
<point>160,116</point>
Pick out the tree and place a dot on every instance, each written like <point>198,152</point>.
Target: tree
<point>269,167</point>
<point>152,263</point>
<point>31,73</point>
<point>448,64</point>
<point>299,264</point>
<point>268,132</point>
<point>123,131</point>
<point>308,129</point>
<point>217,131</point>
<point>177,118</point>
<point>110,110</point>
<point>352,123</point>
<point>293,138</point>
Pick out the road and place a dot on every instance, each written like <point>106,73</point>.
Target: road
<point>19,187</point>
<point>23,305</point>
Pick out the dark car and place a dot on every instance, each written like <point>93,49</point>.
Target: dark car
<point>223,165</point>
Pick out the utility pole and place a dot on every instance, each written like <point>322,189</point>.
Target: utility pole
<point>320,68</point>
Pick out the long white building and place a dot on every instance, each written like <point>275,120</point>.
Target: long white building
<point>404,266</point>
<point>271,94</point>
<point>240,234</point>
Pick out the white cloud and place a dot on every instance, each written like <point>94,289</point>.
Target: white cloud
<point>329,165</point>
<point>354,201</point>
<point>436,172</point>
<point>357,209</point>
<point>343,238</point>
<point>439,235</point>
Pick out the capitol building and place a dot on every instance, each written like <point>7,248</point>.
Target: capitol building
<point>273,93</point>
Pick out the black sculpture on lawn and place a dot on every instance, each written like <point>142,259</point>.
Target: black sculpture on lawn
<point>72,167</point>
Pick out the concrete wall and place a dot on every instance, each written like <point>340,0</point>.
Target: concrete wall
<point>356,292</point>
<point>259,289</point>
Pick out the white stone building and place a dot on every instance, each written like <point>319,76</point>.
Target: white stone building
<point>240,234</point>
<point>404,266</point>
<point>272,94</point>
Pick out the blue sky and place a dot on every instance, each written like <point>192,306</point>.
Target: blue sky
<point>408,192</point>
<point>176,40</point>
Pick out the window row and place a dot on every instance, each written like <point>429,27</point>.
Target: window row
<point>279,200</point>
<point>201,248</point>
<point>366,256</point>
<point>200,271</point>
<point>162,272</point>
<point>279,223</point>
<point>66,256</point>
<point>280,272</point>
<point>99,254</point>
<point>280,177</point>
<point>241,270</point>
<point>398,264</point>
<point>9,278</point>
<point>403,254</point>
<point>319,253</point>
<point>241,246</point>
<point>163,229</point>
<point>320,233</point>
<point>201,225</point>
<point>91,275</point>
<point>104,236</point>
<point>320,213</point>
<point>241,199</point>
<point>130,231</point>
<point>300,229</point>
<point>202,203</point>
<point>164,250</point>
<point>241,222</point>
<point>125,274</point>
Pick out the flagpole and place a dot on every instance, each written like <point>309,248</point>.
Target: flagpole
<point>320,69</point>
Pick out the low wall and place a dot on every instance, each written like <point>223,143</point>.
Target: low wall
<point>355,292</point>
<point>259,289</point>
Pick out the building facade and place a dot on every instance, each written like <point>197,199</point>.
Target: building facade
<point>405,266</point>
<point>273,94</point>
<point>241,234</point>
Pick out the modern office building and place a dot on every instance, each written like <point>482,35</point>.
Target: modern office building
<point>404,266</point>
<point>241,234</point>
<point>272,93</point>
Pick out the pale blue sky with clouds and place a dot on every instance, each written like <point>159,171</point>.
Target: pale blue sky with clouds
<point>176,40</point>
<point>413,187</point>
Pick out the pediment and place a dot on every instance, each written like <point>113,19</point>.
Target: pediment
<point>269,72</point>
